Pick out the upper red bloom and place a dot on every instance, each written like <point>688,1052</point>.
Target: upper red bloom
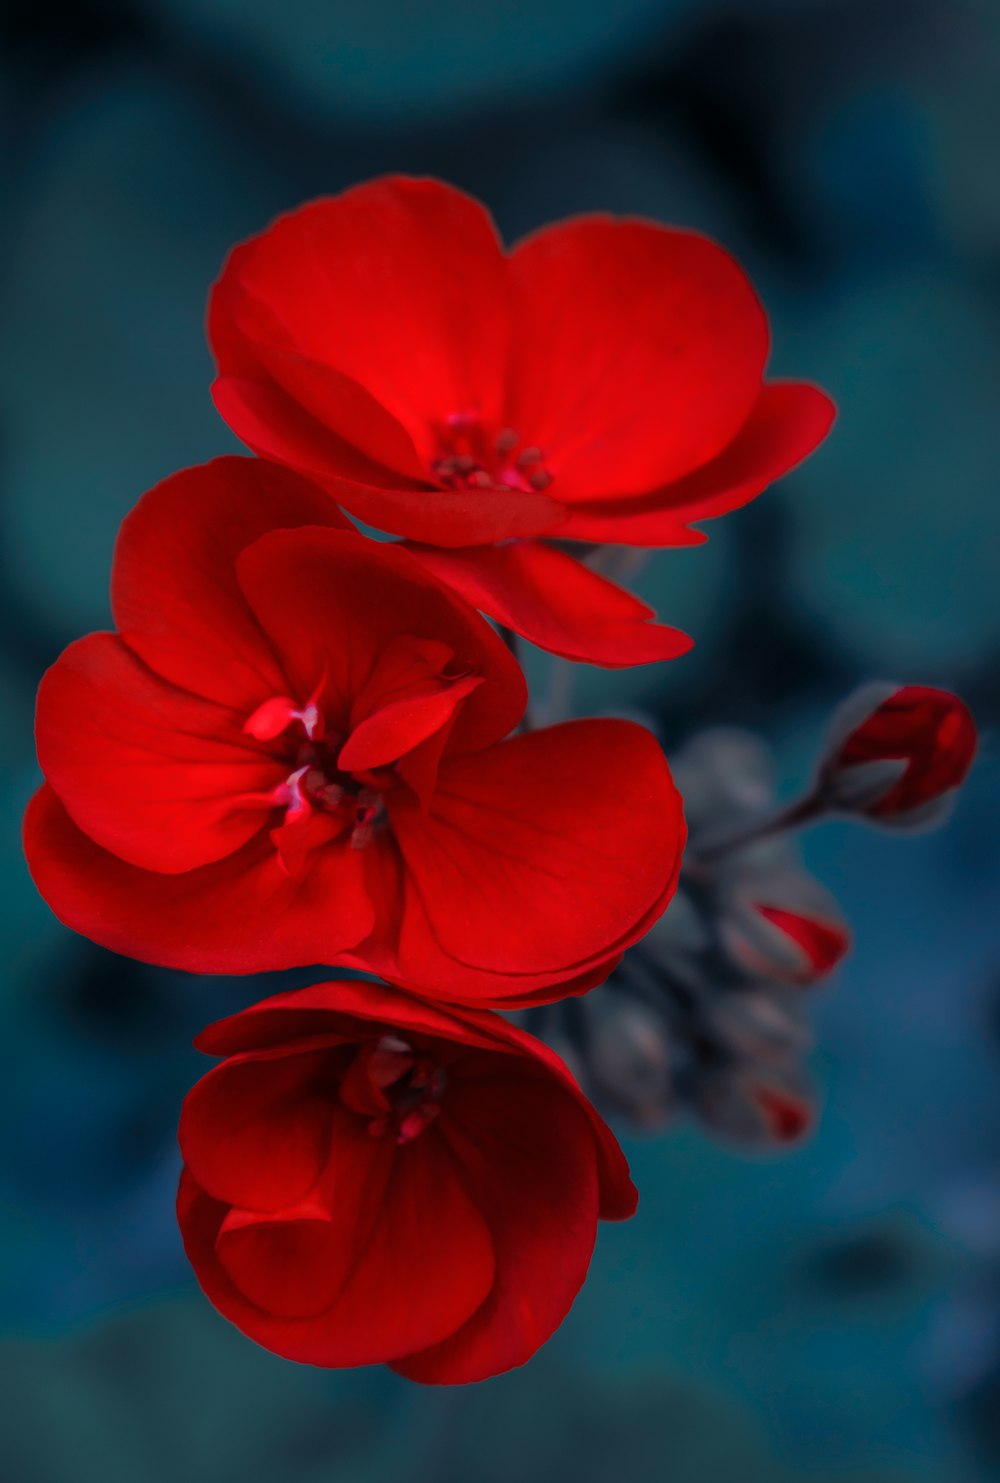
<point>899,753</point>
<point>369,1178</point>
<point>602,382</point>
<point>290,753</point>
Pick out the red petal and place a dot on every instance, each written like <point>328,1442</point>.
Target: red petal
<point>788,421</point>
<point>398,284</point>
<point>240,915</point>
<point>275,427</point>
<point>415,1250</point>
<point>329,1012</point>
<point>526,1152</point>
<point>332,603</point>
<point>545,851</point>
<point>556,602</point>
<point>255,1132</point>
<point>173,587</point>
<point>674,318</point>
<point>408,699</point>
<point>152,773</point>
<point>329,1008</point>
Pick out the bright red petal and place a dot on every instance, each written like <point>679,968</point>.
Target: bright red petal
<point>544,851</point>
<point>399,285</point>
<point>332,603</point>
<point>240,915</point>
<point>637,353</point>
<point>154,774</point>
<point>412,693</point>
<point>556,602</point>
<point>174,592</point>
<point>276,427</point>
<point>788,421</point>
<point>526,1152</point>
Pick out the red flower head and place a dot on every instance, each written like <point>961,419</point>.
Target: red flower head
<point>898,754</point>
<point>602,382</point>
<point>372,1179</point>
<point>290,753</point>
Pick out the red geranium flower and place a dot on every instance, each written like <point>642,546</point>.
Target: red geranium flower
<point>372,1179</point>
<point>602,382</point>
<point>899,753</point>
<point>290,753</point>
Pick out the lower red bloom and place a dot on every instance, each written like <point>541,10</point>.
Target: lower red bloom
<point>372,1179</point>
<point>899,753</point>
<point>292,753</point>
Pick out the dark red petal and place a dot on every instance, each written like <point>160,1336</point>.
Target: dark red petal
<point>546,850</point>
<point>243,914</point>
<point>556,602</point>
<point>173,586</point>
<point>637,353</point>
<point>788,421</point>
<point>328,1008</point>
<point>398,284</point>
<point>255,1131</point>
<point>526,1151</point>
<point>160,777</point>
<point>332,602</point>
<point>404,1259</point>
<point>342,1009</point>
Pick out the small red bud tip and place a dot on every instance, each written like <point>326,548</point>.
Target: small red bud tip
<point>823,944</point>
<point>788,1117</point>
<point>931,732</point>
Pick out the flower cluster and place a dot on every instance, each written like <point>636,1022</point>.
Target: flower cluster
<point>303,745</point>
<point>708,1013</point>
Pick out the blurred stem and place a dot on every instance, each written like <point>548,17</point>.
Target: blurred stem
<point>805,810</point>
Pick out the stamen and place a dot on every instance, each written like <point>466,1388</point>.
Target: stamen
<point>470,459</point>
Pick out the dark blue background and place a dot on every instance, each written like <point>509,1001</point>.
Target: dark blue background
<point>831,1314</point>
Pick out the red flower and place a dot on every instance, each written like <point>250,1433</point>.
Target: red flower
<point>899,753</point>
<point>290,753</point>
<point>370,1179</point>
<point>602,382</point>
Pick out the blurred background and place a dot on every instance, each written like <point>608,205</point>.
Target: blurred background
<point>827,1314</point>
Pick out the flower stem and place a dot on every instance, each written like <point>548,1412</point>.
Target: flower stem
<point>805,810</point>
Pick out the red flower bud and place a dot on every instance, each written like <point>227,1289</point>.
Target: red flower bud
<point>899,753</point>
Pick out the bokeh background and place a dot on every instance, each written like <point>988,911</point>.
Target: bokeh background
<point>830,1314</point>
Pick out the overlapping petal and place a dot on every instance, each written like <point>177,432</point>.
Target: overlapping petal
<point>637,353</point>
<point>602,381</point>
<point>556,602</point>
<point>452,1253</point>
<point>788,421</point>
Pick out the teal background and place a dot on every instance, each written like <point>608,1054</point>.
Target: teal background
<point>831,1314</point>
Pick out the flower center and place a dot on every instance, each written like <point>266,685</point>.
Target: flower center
<point>319,797</point>
<point>473,458</point>
<point>318,785</point>
<point>395,1087</point>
